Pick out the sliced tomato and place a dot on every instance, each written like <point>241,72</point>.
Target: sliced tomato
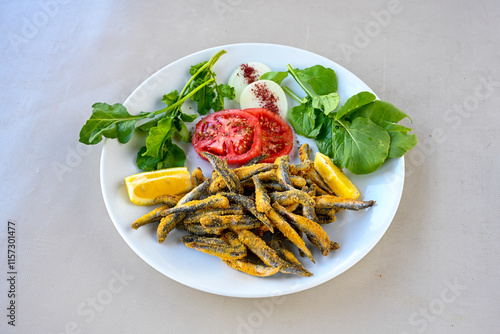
<point>277,135</point>
<point>231,134</point>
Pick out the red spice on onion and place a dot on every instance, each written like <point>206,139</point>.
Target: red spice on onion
<point>249,73</point>
<point>267,98</point>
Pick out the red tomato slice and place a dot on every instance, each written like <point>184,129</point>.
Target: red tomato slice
<point>277,135</point>
<point>231,134</point>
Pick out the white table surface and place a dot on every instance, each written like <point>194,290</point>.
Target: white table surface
<point>436,270</point>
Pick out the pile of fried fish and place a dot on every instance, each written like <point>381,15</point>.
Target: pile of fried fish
<point>252,217</point>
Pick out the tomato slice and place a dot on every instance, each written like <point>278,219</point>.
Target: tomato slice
<point>231,134</point>
<point>277,135</point>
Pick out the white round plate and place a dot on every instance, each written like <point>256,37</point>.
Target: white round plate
<point>357,232</point>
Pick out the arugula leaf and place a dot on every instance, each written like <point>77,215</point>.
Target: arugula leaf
<point>201,88</point>
<point>305,119</point>
<point>174,156</point>
<point>322,80</point>
<point>195,69</point>
<point>363,106</point>
<point>277,77</point>
<point>110,121</point>
<point>360,135</point>
<point>184,134</point>
<point>361,146</point>
<point>212,95</point>
<point>204,98</point>
<point>328,103</point>
<point>380,112</point>
<point>114,121</point>
<point>170,98</point>
<point>223,91</point>
<point>401,141</point>
<point>354,103</point>
<point>171,156</point>
<point>386,115</point>
<point>145,127</point>
<point>158,135</point>
<point>302,118</point>
<point>146,162</point>
<point>324,139</point>
<point>188,117</point>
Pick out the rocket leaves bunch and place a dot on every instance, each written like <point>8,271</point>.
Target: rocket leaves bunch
<point>114,121</point>
<point>359,135</point>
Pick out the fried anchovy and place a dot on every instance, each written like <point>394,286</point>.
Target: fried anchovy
<point>194,217</point>
<point>259,248</point>
<point>292,196</point>
<point>232,239</point>
<point>304,153</point>
<point>170,201</point>
<point>195,193</point>
<point>197,177</point>
<point>243,173</point>
<point>302,168</point>
<point>262,200</point>
<point>253,269</point>
<point>309,227</point>
<point>294,265</point>
<point>234,222</point>
<point>199,229</point>
<point>334,202</point>
<point>169,222</point>
<point>256,160</point>
<point>150,217</point>
<point>333,245</point>
<point>327,214</point>
<point>272,175</point>
<point>248,204</point>
<point>227,174</point>
<point>211,202</point>
<point>317,189</point>
<point>298,181</point>
<point>274,186</point>
<point>214,246</point>
<point>326,219</point>
<point>167,199</point>
<point>289,232</point>
<point>277,244</point>
<point>246,172</point>
<point>292,207</point>
<point>319,181</point>
<point>326,211</point>
<point>309,211</point>
<point>283,172</point>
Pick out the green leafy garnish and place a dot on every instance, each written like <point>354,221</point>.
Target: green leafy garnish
<point>110,121</point>
<point>114,121</point>
<point>359,135</point>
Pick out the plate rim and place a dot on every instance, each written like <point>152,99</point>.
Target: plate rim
<point>243,294</point>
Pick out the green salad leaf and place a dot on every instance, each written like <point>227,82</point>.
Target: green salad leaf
<point>322,80</point>
<point>359,135</point>
<point>110,121</point>
<point>277,77</point>
<point>361,146</point>
<point>114,121</point>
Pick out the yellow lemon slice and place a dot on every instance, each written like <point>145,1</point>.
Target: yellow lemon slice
<point>144,187</point>
<point>334,177</point>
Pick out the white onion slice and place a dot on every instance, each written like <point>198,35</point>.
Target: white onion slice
<point>244,75</point>
<point>265,94</point>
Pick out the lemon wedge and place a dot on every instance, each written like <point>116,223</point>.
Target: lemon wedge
<point>334,177</point>
<point>144,187</point>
